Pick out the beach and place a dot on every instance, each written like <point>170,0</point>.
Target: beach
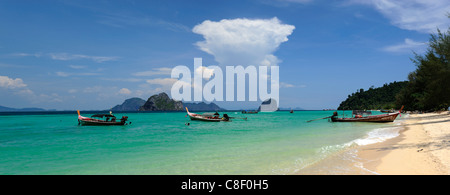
<point>422,148</point>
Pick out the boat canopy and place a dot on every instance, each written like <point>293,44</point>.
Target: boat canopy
<point>103,115</point>
<point>361,112</point>
<point>210,114</point>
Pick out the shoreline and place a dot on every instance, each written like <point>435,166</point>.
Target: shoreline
<point>422,148</point>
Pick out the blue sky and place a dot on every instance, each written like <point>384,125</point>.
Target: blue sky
<point>87,55</point>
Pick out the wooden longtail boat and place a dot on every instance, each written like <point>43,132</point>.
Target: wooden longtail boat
<point>249,112</point>
<point>96,121</point>
<point>383,118</point>
<point>209,117</point>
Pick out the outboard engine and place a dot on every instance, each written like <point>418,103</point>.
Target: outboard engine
<point>335,114</point>
<point>226,117</point>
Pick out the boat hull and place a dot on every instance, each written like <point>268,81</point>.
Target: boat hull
<point>250,112</point>
<point>195,118</point>
<point>199,117</point>
<point>384,118</point>
<point>85,121</point>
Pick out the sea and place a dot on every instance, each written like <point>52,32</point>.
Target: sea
<point>169,143</point>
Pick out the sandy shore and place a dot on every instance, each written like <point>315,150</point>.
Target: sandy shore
<point>423,148</point>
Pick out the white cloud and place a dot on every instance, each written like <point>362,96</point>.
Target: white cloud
<point>162,81</point>
<point>284,3</point>
<point>66,74</point>
<point>288,85</point>
<point>418,15</point>
<point>2,65</point>
<point>206,73</point>
<point>124,91</point>
<point>62,74</point>
<point>152,86</point>
<point>47,98</point>
<point>296,1</point>
<point>122,20</point>
<point>145,93</point>
<point>37,55</point>
<point>9,83</point>
<point>165,84</point>
<point>24,92</point>
<point>77,66</point>
<point>155,71</point>
<point>408,46</point>
<point>19,89</point>
<point>123,79</point>
<point>66,56</point>
<point>285,85</point>
<point>72,91</point>
<point>243,41</point>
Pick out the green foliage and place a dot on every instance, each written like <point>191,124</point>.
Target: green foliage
<point>374,99</point>
<point>427,88</point>
<point>429,85</point>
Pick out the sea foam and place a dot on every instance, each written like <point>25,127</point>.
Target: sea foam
<point>378,135</point>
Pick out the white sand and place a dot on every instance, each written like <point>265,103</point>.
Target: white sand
<point>423,148</point>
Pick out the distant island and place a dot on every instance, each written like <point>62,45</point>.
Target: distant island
<point>162,102</point>
<point>8,109</point>
<point>375,98</point>
<point>202,106</point>
<point>132,104</point>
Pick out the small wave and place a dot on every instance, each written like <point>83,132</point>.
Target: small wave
<point>378,135</point>
<point>346,152</point>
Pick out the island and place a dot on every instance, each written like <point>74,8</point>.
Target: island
<point>161,102</point>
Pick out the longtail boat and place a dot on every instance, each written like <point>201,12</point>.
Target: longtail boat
<point>97,120</point>
<point>383,118</point>
<point>209,117</point>
<point>249,112</point>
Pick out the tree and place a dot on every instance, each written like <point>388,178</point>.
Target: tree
<point>429,85</point>
<point>374,98</point>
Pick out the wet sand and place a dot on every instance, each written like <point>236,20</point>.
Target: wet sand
<point>423,148</point>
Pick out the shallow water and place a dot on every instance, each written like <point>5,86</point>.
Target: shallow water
<point>161,143</point>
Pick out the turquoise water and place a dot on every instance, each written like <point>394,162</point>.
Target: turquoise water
<point>161,143</point>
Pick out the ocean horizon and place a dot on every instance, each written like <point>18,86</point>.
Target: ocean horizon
<point>161,143</point>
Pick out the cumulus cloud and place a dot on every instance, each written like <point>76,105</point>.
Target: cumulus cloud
<point>124,91</point>
<point>9,83</point>
<point>418,15</point>
<point>19,89</point>
<point>243,41</point>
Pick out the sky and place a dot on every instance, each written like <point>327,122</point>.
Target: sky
<point>92,55</point>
